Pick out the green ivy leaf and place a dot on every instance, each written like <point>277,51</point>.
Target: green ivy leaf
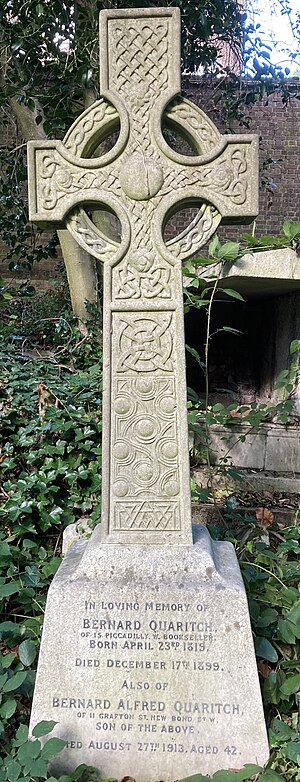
<point>267,617</point>
<point>280,732</point>
<point>264,649</point>
<point>7,628</point>
<point>52,748</point>
<point>231,330</point>
<point>27,652</point>
<point>13,770</point>
<point>286,631</point>
<point>39,768</point>
<point>29,751</point>
<point>292,751</point>
<point>291,685</point>
<point>194,778</point>
<point>229,251</point>
<point>3,679</point>
<point>8,708</point>
<point>21,735</point>
<point>294,617</point>
<point>214,244</point>
<point>7,659</point>
<point>271,776</point>
<point>195,354</point>
<point>249,770</point>
<point>8,589</point>
<point>234,294</point>
<point>294,346</point>
<point>15,681</point>
<point>291,230</point>
<point>5,550</point>
<point>272,687</point>
<point>43,727</point>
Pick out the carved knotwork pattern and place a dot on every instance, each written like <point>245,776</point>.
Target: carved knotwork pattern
<point>78,137</point>
<point>201,129</point>
<point>196,233</point>
<point>141,274</point>
<point>58,181</point>
<point>139,58</point>
<point>145,516</point>
<point>140,73</point>
<point>145,451</point>
<point>83,230</point>
<point>141,218</point>
<point>144,341</point>
<point>227,176</point>
<point>140,277</point>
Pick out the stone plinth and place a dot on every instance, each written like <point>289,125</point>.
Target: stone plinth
<point>147,661</point>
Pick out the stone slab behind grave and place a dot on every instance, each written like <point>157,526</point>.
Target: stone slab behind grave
<point>147,661</point>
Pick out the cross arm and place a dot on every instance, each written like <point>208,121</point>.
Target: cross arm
<point>58,182</point>
<point>227,179</point>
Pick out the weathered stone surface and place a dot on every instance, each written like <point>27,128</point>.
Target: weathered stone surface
<point>270,448</point>
<point>147,660</point>
<point>283,450</point>
<point>226,443</point>
<point>280,484</point>
<point>78,530</point>
<point>156,675</point>
<point>145,453</point>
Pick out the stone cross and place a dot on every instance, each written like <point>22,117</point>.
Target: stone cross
<point>146,497</point>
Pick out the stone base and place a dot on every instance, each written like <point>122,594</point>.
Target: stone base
<point>147,661</point>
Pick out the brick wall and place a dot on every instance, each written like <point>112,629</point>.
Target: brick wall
<point>279,129</point>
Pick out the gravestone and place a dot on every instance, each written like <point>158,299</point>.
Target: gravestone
<point>147,661</point>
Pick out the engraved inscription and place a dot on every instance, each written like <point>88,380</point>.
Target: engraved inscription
<point>146,644</point>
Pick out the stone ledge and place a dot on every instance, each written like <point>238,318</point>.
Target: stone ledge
<point>266,448</point>
<point>270,272</point>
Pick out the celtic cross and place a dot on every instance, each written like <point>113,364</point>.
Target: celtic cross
<point>146,496</point>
